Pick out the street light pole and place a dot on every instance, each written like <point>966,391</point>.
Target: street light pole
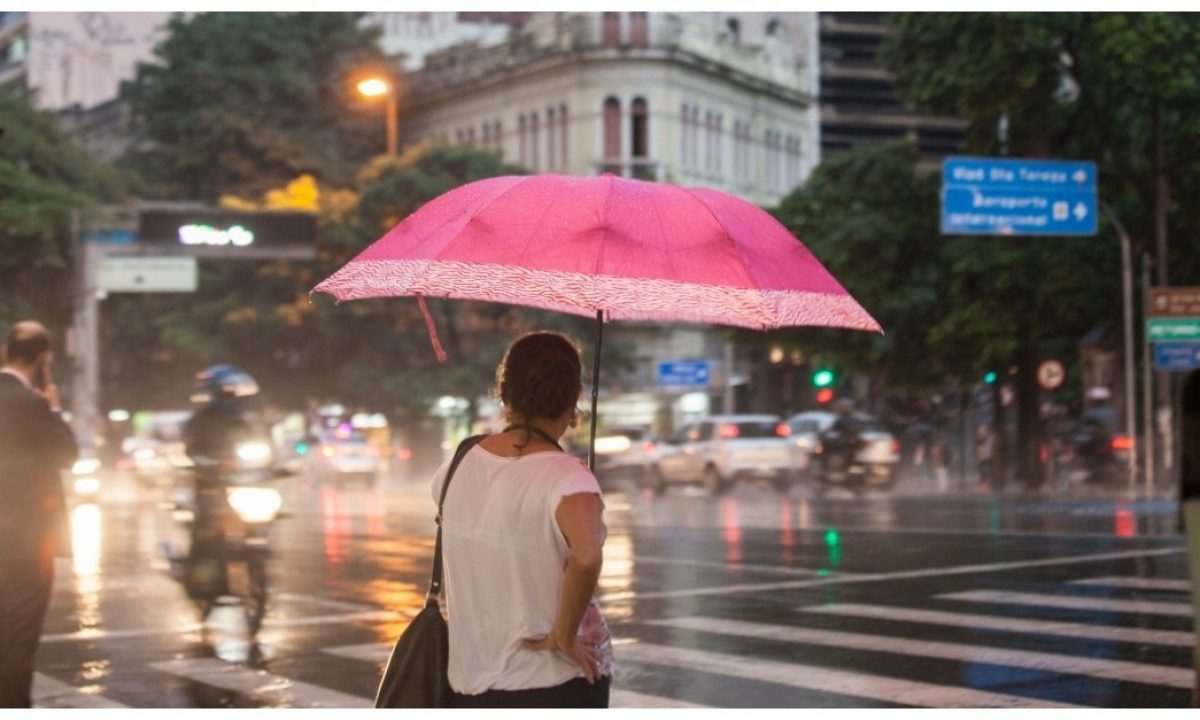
<point>392,131</point>
<point>1130,387</point>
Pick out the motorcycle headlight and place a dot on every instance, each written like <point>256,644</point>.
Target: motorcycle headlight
<point>255,504</point>
<point>85,466</point>
<point>87,486</point>
<point>254,453</point>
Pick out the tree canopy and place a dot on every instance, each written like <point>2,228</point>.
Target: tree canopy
<point>241,102</point>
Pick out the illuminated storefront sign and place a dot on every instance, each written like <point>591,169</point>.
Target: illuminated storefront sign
<point>216,237</point>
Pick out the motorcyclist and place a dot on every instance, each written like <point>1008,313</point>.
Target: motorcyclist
<point>841,441</point>
<point>222,394</point>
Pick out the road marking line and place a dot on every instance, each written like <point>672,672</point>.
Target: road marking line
<point>378,653</point>
<point>826,680</point>
<point>1074,602</point>
<point>1119,670</point>
<point>1139,583</point>
<point>371,652</point>
<point>260,683</point>
<point>874,577</point>
<point>628,699</point>
<point>1173,638</point>
<point>51,693</point>
<point>98,634</point>
<point>324,602</point>
<point>651,560</point>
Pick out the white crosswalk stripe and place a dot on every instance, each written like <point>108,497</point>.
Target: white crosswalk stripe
<point>1138,583</point>
<point>1049,662</point>
<point>1073,602</point>
<point>51,693</point>
<point>260,684</point>
<point>811,677</point>
<point>1174,638</point>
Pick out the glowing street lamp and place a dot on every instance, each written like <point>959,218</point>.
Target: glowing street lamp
<point>375,87</point>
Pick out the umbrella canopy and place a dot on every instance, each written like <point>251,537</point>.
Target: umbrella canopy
<point>631,249</point>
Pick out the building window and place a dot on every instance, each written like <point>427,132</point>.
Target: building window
<point>685,148</point>
<point>718,144</point>
<point>522,140</point>
<point>533,142</point>
<point>773,26</point>
<point>769,153</point>
<point>551,154</point>
<point>610,29</point>
<point>694,127</point>
<point>487,136</point>
<point>735,29</point>
<point>562,144</point>
<point>639,127</point>
<point>612,129</point>
<point>639,30</point>
<point>793,162</point>
<point>709,136</point>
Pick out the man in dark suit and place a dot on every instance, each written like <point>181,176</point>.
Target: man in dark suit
<point>35,446</point>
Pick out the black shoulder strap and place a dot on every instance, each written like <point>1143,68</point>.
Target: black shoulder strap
<point>435,582</point>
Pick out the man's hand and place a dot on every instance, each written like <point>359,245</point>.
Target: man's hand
<point>49,390</point>
<point>577,651</point>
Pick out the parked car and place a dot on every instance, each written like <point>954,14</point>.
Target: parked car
<point>878,455</point>
<point>340,457</point>
<point>723,449</point>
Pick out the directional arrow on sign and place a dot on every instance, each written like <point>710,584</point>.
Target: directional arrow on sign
<point>1081,211</point>
<point>1080,176</point>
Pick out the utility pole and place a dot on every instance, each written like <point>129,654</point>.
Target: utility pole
<point>1147,385</point>
<point>1162,189</point>
<point>1127,302</point>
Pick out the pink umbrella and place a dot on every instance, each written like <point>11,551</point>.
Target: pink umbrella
<point>608,247</point>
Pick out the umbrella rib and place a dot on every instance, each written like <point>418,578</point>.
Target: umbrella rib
<point>737,253</point>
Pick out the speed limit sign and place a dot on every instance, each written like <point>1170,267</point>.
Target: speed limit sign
<point>1050,374</point>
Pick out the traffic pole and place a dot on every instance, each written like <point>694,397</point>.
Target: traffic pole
<point>1127,301</point>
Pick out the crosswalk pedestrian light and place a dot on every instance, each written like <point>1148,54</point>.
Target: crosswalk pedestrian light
<point>989,377</point>
<point>823,378</point>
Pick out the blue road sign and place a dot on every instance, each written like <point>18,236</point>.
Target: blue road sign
<point>683,373</point>
<point>1176,356</point>
<point>994,196</point>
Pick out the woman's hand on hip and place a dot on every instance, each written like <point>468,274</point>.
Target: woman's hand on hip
<point>577,651</point>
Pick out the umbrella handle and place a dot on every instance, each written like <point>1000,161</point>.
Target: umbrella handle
<point>595,388</point>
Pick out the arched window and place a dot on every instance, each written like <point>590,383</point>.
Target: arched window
<point>735,28</point>
<point>640,128</point>
<point>498,137</point>
<point>685,149</point>
<point>718,144</point>
<point>773,26</point>
<point>612,129</point>
<point>562,144</point>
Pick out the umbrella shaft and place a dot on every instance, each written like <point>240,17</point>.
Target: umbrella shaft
<point>595,388</point>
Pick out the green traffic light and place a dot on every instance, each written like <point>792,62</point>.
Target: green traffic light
<point>301,448</point>
<point>989,378</point>
<point>832,539</point>
<point>823,378</point>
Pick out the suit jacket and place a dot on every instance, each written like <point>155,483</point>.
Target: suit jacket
<point>36,445</point>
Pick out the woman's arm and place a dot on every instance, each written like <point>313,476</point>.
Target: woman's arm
<point>579,518</point>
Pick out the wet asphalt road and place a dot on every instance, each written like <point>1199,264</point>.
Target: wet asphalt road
<point>908,599</point>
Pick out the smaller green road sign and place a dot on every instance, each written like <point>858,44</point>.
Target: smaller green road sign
<point>1165,329</point>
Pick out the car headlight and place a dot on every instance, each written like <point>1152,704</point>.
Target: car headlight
<point>87,486</point>
<point>85,466</point>
<point>255,504</point>
<point>256,453</point>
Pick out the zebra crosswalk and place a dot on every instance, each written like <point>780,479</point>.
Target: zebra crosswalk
<point>847,654</point>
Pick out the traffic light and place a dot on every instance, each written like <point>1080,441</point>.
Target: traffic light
<point>824,396</point>
<point>823,378</point>
<point>989,377</point>
<point>301,448</point>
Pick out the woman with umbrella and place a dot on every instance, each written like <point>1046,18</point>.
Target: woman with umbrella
<point>522,544</point>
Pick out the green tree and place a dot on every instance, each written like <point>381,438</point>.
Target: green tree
<point>241,102</point>
<point>1104,87</point>
<point>43,177</point>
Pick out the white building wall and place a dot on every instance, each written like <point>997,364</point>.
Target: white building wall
<point>81,58</point>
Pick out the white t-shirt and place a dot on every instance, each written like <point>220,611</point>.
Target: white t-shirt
<point>504,557</point>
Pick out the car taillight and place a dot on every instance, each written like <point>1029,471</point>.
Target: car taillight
<point>728,432</point>
<point>1122,442</point>
<point>404,454</point>
<point>782,430</point>
<point>648,448</point>
<point>895,447</point>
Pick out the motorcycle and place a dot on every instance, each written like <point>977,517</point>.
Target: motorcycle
<point>228,521</point>
<point>1097,456</point>
<point>838,461</point>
